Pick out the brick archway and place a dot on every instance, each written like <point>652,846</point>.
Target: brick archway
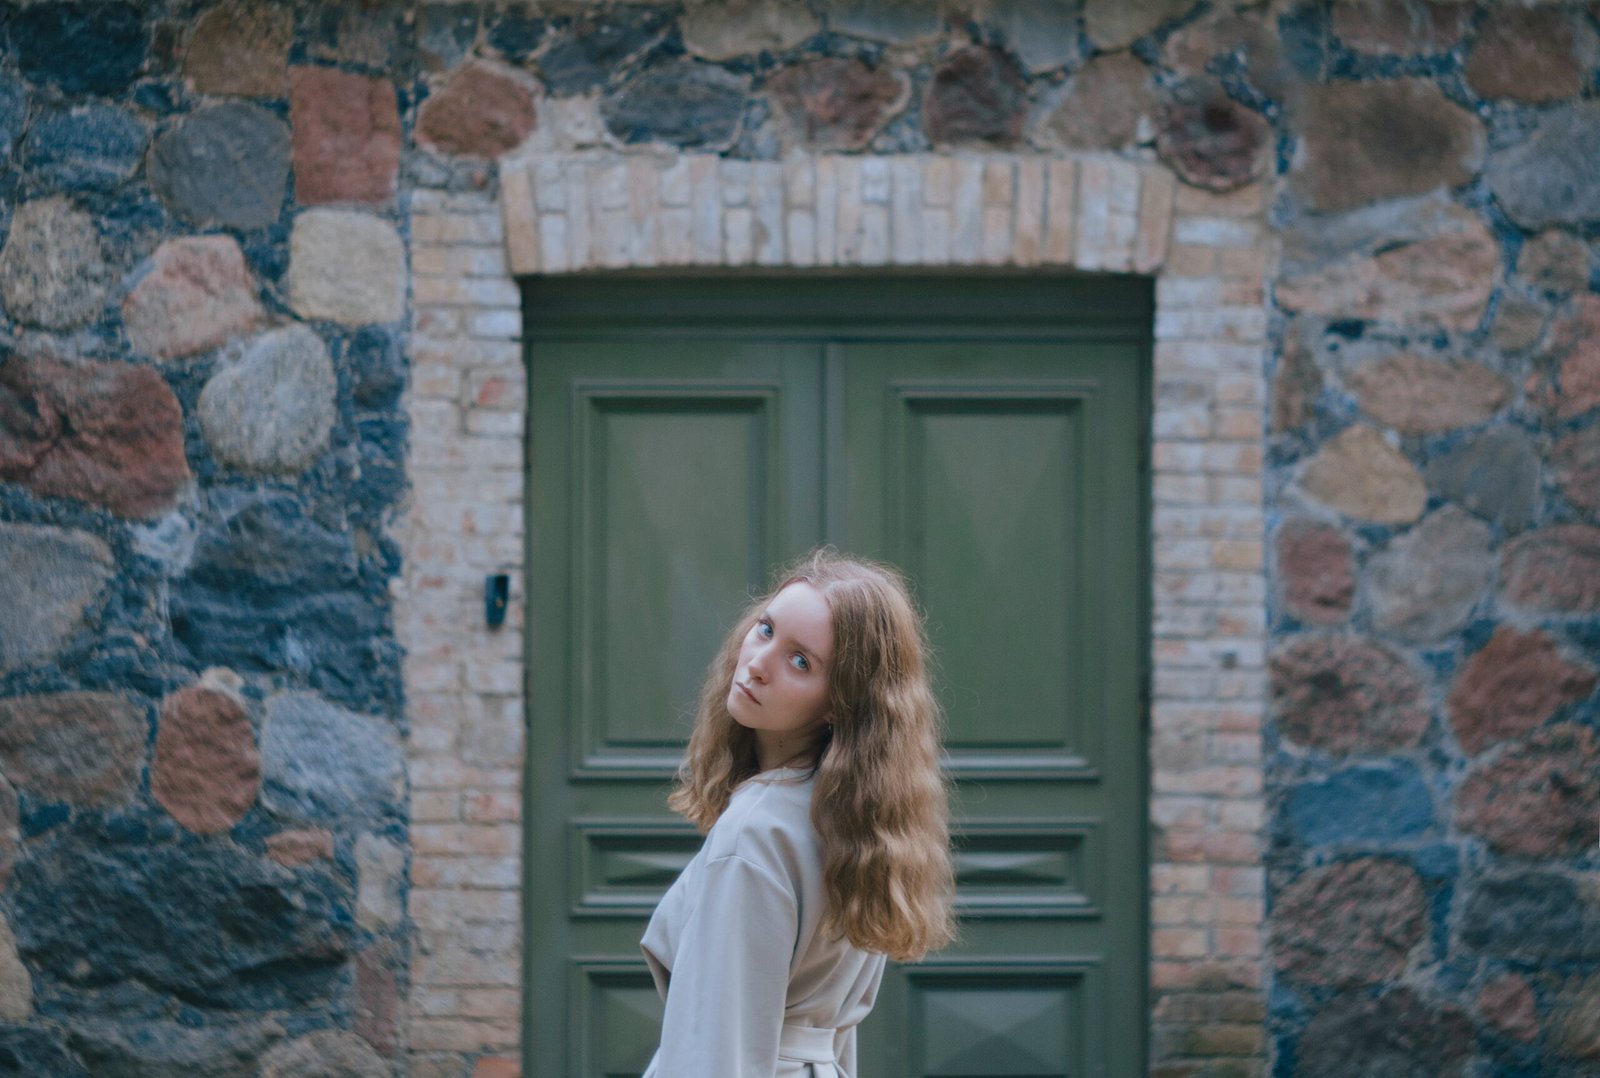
<point>603,210</point>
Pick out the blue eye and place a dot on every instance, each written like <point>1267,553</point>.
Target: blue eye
<point>764,628</point>
<point>802,663</point>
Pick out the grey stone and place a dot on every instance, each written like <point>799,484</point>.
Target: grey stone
<point>696,106</point>
<point>347,267</point>
<point>1424,584</point>
<point>327,1053</point>
<point>151,1047</point>
<point>723,29</point>
<point>1109,104</point>
<point>13,112</point>
<point>1042,33</point>
<point>380,871</point>
<point>16,986</point>
<point>228,164</point>
<point>53,272</point>
<point>1552,177</point>
<point>51,577</point>
<point>322,763</point>
<point>271,410</point>
<point>1116,24</point>
<point>1495,474</point>
<point>90,147</point>
<point>884,20</point>
<point>1531,918</point>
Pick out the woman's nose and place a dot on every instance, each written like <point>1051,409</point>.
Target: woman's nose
<point>758,664</point>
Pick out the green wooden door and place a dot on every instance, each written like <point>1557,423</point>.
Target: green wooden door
<point>986,436</point>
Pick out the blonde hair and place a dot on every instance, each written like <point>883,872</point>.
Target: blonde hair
<point>880,803</point>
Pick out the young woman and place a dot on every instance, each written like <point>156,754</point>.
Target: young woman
<point>814,766</point>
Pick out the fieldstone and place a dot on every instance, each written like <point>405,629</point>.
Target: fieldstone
<point>109,434</point>
<point>327,1053</point>
<point>1526,55</point>
<point>85,48</point>
<point>1400,27</point>
<point>1110,104</point>
<point>1518,323</point>
<point>300,846</point>
<point>1510,686</point>
<point>484,111</point>
<point>380,872</point>
<point>723,29</point>
<point>1538,798</point>
<point>84,749</point>
<point>1441,278</point>
<point>1574,387</point>
<point>13,112</point>
<point>99,904</point>
<point>1209,139</point>
<point>377,997</point>
<point>1417,395</point>
<point>1365,805</point>
<point>16,985</point>
<point>10,831</point>
<point>325,764</point>
<point>377,369</point>
<point>346,136</point>
<point>365,35</point>
<point>206,771</point>
<point>446,33</point>
<point>1530,918</point>
<point>196,295</point>
<point>1576,462</point>
<point>241,49</point>
<point>889,21</point>
<point>89,147</point>
<point>1349,923</point>
<point>1043,34</point>
<point>53,273</point>
<point>1507,1004</point>
<point>1366,141</point>
<point>53,577</point>
<point>1317,571</point>
<point>1425,584</point>
<point>1555,261</point>
<point>586,50</point>
<point>1296,385</point>
<point>516,33</point>
<point>270,589</point>
<point>1229,37</point>
<point>346,266</point>
<point>273,408</point>
<point>1571,1029</point>
<point>690,105</point>
<point>976,94</point>
<point>227,164</point>
<point>1495,474</point>
<point>1396,1035</point>
<point>1116,24</point>
<point>157,1047</point>
<point>838,104</point>
<point>1555,569</point>
<point>1345,694</point>
<point>1553,176</point>
<point>1363,476</point>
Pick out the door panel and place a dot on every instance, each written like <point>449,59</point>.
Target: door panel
<point>686,440</point>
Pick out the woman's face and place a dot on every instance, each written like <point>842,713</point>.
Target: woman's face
<point>781,683</point>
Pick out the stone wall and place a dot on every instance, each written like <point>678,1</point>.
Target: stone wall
<point>261,406</point>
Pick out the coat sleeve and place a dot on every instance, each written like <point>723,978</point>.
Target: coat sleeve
<point>730,977</point>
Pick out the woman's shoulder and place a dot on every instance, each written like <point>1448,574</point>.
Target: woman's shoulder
<point>767,822</point>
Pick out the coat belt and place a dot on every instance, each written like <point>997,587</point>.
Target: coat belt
<point>809,1044</point>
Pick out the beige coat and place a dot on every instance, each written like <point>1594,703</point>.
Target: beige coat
<point>753,986</point>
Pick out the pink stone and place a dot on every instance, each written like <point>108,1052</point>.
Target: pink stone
<point>82,748</point>
<point>1574,387</point>
<point>1349,923</point>
<point>1512,685</point>
<point>484,111</point>
<point>1417,395</point>
<point>241,49</point>
<point>1525,55</point>
<point>207,769</point>
<point>197,295</point>
<point>346,132</point>
<point>1507,1004</point>
<point>838,103</point>
<point>300,847</point>
<point>1538,798</point>
<point>1400,27</point>
<point>377,999</point>
<point>1576,461</point>
<point>110,434</point>
<point>1346,694</point>
<point>977,94</point>
<point>1556,568</point>
<point>1318,574</point>
<point>1210,140</point>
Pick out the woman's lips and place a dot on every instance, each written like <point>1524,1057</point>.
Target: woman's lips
<point>740,686</point>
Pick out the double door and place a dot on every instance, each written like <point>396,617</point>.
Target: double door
<point>687,438</point>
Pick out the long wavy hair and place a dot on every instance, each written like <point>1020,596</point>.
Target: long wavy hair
<point>880,803</point>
